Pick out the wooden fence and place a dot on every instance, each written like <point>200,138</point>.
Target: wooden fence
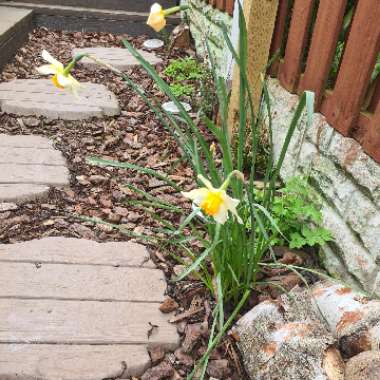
<point>223,5</point>
<point>350,99</point>
<point>326,51</point>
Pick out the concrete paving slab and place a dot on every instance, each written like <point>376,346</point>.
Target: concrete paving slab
<point>68,362</point>
<point>120,58</point>
<point>29,165</point>
<point>61,250</point>
<point>81,282</point>
<point>78,309</point>
<point>39,97</point>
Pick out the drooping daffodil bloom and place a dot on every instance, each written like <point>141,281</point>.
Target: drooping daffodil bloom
<point>61,78</point>
<point>156,19</point>
<point>215,202</point>
<point>157,15</point>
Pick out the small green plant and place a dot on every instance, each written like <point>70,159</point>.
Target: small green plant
<point>180,90</point>
<point>184,73</point>
<point>185,69</point>
<point>297,216</point>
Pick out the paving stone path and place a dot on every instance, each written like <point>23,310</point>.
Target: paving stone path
<point>71,308</point>
<point>120,58</point>
<point>39,97</point>
<point>77,309</point>
<point>29,165</point>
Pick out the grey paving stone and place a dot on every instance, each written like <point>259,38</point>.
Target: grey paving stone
<point>29,165</point>
<point>78,309</point>
<point>22,192</point>
<point>61,250</point>
<point>68,362</point>
<point>85,322</point>
<point>120,58</point>
<point>25,141</point>
<point>81,282</point>
<point>39,97</point>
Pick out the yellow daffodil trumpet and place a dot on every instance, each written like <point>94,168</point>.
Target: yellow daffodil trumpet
<point>157,15</point>
<point>215,202</point>
<point>61,78</point>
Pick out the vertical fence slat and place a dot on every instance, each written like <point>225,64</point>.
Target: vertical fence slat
<point>278,34</point>
<point>220,4</point>
<point>375,96</point>
<point>371,140</point>
<point>290,70</point>
<point>342,108</point>
<point>230,6</point>
<point>323,45</point>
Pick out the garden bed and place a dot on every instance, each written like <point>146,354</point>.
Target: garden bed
<point>135,137</point>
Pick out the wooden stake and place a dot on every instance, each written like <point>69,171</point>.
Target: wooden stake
<point>260,16</point>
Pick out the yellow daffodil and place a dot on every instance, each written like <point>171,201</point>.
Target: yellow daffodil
<point>156,18</point>
<point>215,202</point>
<point>61,78</point>
<point>157,15</point>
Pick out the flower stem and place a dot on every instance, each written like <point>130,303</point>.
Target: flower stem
<point>173,10</point>
<point>72,64</point>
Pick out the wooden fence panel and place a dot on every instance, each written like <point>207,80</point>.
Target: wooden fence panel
<point>230,6</point>
<point>278,35</point>
<point>342,108</point>
<point>375,96</point>
<point>220,4</point>
<point>223,5</point>
<point>290,70</point>
<point>322,49</point>
<point>371,140</point>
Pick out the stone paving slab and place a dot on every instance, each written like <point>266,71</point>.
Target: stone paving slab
<point>81,282</point>
<point>29,165</point>
<point>61,250</point>
<point>25,141</point>
<point>22,192</point>
<point>85,322</point>
<point>72,362</point>
<point>34,174</point>
<point>27,156</point>
<point>78,309</point>
<point>39,97</point>
<point>120,58</point>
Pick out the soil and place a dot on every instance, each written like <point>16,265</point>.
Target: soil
<point>136,137</point>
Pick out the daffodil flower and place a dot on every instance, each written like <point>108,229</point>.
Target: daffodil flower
<point>61,78</point>
<point>215,202</point>
<point>157,16</point>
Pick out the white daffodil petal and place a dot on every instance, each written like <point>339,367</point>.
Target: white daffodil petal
<point>196,195</point>
<point>49,58</point>
<point>231,204</point>
<point>63,80</point>
<point>46,69</point>
<point>222,215</point>
<point>156,18</point>
<point>155,8</point>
